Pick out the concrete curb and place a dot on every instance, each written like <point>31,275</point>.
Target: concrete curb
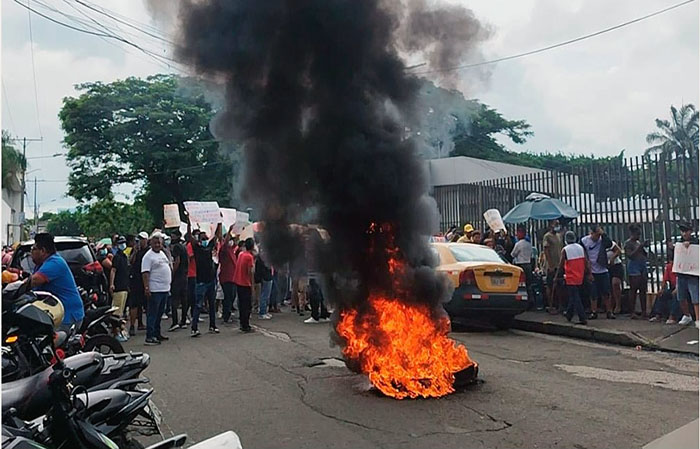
<point>582,332</point>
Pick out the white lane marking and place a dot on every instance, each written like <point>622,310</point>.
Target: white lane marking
<point>671,381</point>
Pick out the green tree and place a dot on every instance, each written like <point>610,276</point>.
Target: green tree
<point>13,163</point>
<point>478,137</point>
<point>65,223</point>
<point>106,217</point>
<point>152,133</point>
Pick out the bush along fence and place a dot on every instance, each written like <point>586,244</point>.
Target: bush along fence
<point>656,191</point>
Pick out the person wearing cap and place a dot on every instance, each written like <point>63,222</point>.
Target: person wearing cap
<point>119,279</point>
<point>156,271</point>
<point>136,299</point>
<point>687,287</point>
<point>574,264</point>
<point>467,237</point>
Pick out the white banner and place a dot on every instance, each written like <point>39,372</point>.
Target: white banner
<point>171,215</point>
<point>685,260</point>
<point>242,220</point>
<point>202,212</point>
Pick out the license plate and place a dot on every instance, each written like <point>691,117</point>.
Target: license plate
<point>498,281</point>
<point>155,413</point>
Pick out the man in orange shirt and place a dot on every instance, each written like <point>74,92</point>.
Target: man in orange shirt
<point>191,280</point>
<point>243,278</point>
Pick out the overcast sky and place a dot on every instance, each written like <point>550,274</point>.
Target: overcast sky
<point>593,97</point>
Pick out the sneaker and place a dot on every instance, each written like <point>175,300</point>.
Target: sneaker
<point>267,316</point>
<point>654,319</point>
<point>163,338</point>
<point>195,333</point>
<point>174,327</point>
<point>132,331</point>
<point>214,330</point>
<point>151,342</point>
<point>121,339</point>
<point>219,315</point>
<point>164,317</point>
<point>569,317</point>
<point>686,320</point>
<point>311,320</point>
<point>593,316</point>
<point>610,315</point>
<point>200,319</point>
<point>671,321</point>
<point>247,330</point>
<point>325,320</point>
<point>187,322</point>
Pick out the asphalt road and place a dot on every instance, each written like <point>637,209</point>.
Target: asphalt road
<point>536,391</point>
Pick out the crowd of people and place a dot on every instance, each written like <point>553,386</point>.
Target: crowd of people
<point>168,276</point>
<point>585,276</point>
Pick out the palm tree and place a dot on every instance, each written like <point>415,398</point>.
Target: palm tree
<point>13,163</point>
<point>679,138</point>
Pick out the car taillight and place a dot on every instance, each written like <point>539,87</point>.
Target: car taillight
<point>93,267</point>
<point>522,281</point>
<point>467,277</point>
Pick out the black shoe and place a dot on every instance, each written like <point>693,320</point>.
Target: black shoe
<point>151,342</point>
<point>610,315</point>
<point>593,316</point>
<point>162,338</point>
<point>247,329</point>
<point>569,317</point>
<point>195,333</point>
<point>214,330</point>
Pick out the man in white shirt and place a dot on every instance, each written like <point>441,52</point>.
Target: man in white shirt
<point>157,276</point>
<point>522,257</point>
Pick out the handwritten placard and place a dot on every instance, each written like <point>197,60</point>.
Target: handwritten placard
<point>203,212</point>
<point>229,217</point>
<point>171,215</point>
<point>242,220</point>
<point>685,260</point>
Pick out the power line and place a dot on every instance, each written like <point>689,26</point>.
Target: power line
<point>163,59</point>
<point>561,44</point>
<point>31,49</point>
<point>7,104</point>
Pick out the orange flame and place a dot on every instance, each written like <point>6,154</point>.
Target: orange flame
<point>402,349</point>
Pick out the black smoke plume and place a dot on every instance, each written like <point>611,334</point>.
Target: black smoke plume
<point>317,93</point>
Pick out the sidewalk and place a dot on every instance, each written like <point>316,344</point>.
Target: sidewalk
<point>621,331</point>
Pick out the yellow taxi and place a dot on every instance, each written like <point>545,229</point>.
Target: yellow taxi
<point>486,287</point>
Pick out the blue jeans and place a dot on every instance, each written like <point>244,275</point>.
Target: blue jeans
<point>575,304</point>
<point>265,291</point>
<point>687,288</point>
<point>204,290</point>
<point>156,306</point>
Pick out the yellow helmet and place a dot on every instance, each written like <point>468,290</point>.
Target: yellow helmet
<point>51,305</point>
<point>468,228</point>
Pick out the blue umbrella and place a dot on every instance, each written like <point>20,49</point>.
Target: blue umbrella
<point>538,206</point>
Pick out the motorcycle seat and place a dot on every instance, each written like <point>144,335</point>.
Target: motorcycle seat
<point>21,393</point>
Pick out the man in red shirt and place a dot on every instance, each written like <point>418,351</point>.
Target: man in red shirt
<point>243,278</point>
<point>575,266</point>
<point>191,280</point>
<point>227,268</point>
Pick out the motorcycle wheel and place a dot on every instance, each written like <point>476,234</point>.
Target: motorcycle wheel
<point>104,344</point>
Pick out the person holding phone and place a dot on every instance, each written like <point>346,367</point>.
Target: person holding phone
<point>636,253</point>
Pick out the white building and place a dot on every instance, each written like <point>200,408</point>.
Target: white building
<point>12,212</point>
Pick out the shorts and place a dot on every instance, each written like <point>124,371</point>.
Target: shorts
<point>687,287</point>
<point>119,300</point>
<point>616,271</point>
<point>600,286</point>
<point>136,299</point>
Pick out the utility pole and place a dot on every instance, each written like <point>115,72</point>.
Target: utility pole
<point>24,183</point>
<point>36,210</point>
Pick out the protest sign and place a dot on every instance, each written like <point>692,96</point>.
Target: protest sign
<point>203,212</point>
<point>171,215</point>
<point>685,260</point>
<point>494,220</point>
<point>242,220</point>
<point>229,217</point>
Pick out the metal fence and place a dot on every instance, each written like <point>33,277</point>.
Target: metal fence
<point>655,192</point>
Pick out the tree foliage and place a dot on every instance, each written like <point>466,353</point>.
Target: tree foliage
<point>679,136</point>
<point>13,162</point>
<point>153,133</point>
<point>102,219</point>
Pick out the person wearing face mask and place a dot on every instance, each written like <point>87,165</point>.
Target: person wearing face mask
<point>119,280</point>
<point>102,257</point>
<point>552,245</point>
<point>206,276</point>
